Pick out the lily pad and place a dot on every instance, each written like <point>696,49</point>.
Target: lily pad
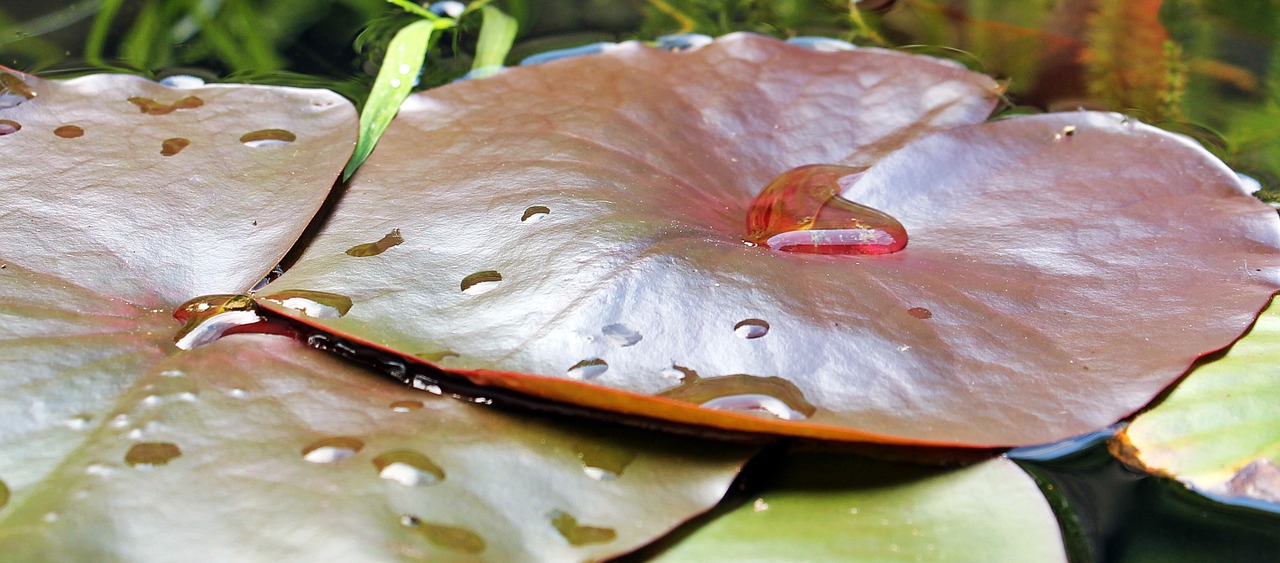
<point>1037,298</point>
<point>257,447</point>
<point>1219,430</point>
<point>842,508</point>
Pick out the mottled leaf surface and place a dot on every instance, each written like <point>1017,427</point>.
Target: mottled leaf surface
<point>216,454</point>
<point>1219,429</point>
<point>1061,271</point>
<point>840,508</point>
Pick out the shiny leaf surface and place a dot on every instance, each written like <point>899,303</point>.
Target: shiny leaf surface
<point>1037,298</point>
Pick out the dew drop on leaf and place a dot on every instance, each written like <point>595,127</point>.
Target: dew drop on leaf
<point>377,247</point>
<point>481,282</point>
<point>535,213</point>
<point>409,468</point>
<point>69,131</point>
<point>771,397</point>
<point>406,406</point>
<point>449,537</point>
<point>578,534</point>
<point>16,85</point>
<point>603,461</point>
<point>152,107</point>
<point>173,146</point>
<point>587,369</point>
<point>802,211</point>
<point>332,450</point>
<point>751,328</point>
<point>9,127</point>
<point>621,335</point>
<point>315,304</point>
<point>268,138</point>
<point>207,318</point>
<point>920,313</point>
<point>144,455</point>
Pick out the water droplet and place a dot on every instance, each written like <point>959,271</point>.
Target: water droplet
<point>678,42</point>
<point>50,517</point>
<point>448,537</point>
<point>679,373</point>
<point>408,468</point>
<point>577,534</point>
<point>751,328</point>
<point>389,240</point>
<point>69,131</point>
<point>395,368</point>
<point>268,138</point>
<point>824,44</point>
<point>437,356</point>
<point>78,422</point>
<point>548,56</point>
<point>802,211</point>
<point>145,455</point>
<point>332,450</point>
<point>406,406</point>
<point>120,421</point>
<point>16,85</point>
<point>395,83</point>
<point>535,213</point>
<point>9,127</point>
<point>182,81</point>
<point>481,282</point>
<point>602,460</point>
<point>152,107</point>
<point>920,313</point>
<point>403,68</point>
<point>587,369</point>
<point>759,505</point>
<point>173,146</point>
<point>209,317</point>
<point>1069,130</point>
<point>315,304</point>
<point>425,385</point>
<point>769,396</point>
<point>621,335</point>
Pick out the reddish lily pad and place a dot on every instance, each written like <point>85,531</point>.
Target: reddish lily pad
<point>257,447</point>
<point>1061,270</point>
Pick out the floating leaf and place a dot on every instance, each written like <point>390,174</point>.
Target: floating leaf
<point>828,507</point>
<point>1219,430</point>
<point>1037,297</point>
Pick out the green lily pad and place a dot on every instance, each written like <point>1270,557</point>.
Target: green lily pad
<point>844,508</point>
<point>1219,430</point>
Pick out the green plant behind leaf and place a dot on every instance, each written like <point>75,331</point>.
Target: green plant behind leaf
<point>497,34</point>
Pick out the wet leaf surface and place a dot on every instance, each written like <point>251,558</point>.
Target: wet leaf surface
<point>256,447</point>
<point>1062,269</point>
<point>1219,429</point>
<point>827,507</point>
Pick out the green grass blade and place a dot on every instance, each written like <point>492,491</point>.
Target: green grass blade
<point>404,59</point>
<point>98,32</point>
<point>497,34</point>
<point>415,9</point>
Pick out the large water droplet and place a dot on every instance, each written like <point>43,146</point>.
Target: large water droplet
<point>587,369</point>
<point>145,455</point>
<point>751,328</point>
<point>17,86</point>
<point>173,146</point>
<point>317,304</point>
<point>768,396</point>
<point>268,138</point>
<point>375,248</point>
<point>332,450</point>
<point>406,406</point>
<point>408,468</point>
<point>481,282</point>
<point>448,537</point>
<point>602,460</point>
<point>209,317</point>
<point>9,127</point>
<point>920,313</point>
<point>535,213</point>
<point>802,211</point>
<point>621,335</point>
<point>577,534</point>
<point>152,107</point>
<point>69,131</point>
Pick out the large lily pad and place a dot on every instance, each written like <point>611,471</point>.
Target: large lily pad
<point>842,508</point>
<point>583,221</point>
<point>257,447</point>
<point>1219,430</point>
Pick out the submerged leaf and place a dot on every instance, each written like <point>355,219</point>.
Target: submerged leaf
<point>1062,269</point>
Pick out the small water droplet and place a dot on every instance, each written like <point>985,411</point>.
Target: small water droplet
<point>268,138</point>
<point>408,468</point>
<point>50,517</point>
<point>395,82</point>
<point>802,211</point>
<point>406,406</point>
<point>535,213</point>
<point>853,511</point>
<point>78,422</point>
<point>621,335</point>
<point>120,421</point>
<point>481,282</point>
<point>759,505</point>
<point>449,537</point>
<point>920,313</point>
<point>389,240</point>
<point>602,460</point>
<point>395,368</point>
<point>237,393</point>
<point>332,450</point>
<point>173,146</point>
<point>587,369</point>
<point>209,317</point>
<point>1069,130</point>
<point>773,397</point>
<point>578,534</point>
<point>679,373</point>
<point>69,131</point>
<point>751,328</point>
<point>403,68</point>
<point>678,42</point>
<point>9,127</point>
<point>152,107</point>
<point>315,304</point>
<point>437,356</point>
<point>145,455</point>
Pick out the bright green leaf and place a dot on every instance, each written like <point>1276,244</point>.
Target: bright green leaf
<point>496,37</point>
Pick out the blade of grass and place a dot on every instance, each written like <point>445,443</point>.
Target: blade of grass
<point>497,34</point>
<point>416,9</point>
<point>404,58</point>
<point>98,32</point>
